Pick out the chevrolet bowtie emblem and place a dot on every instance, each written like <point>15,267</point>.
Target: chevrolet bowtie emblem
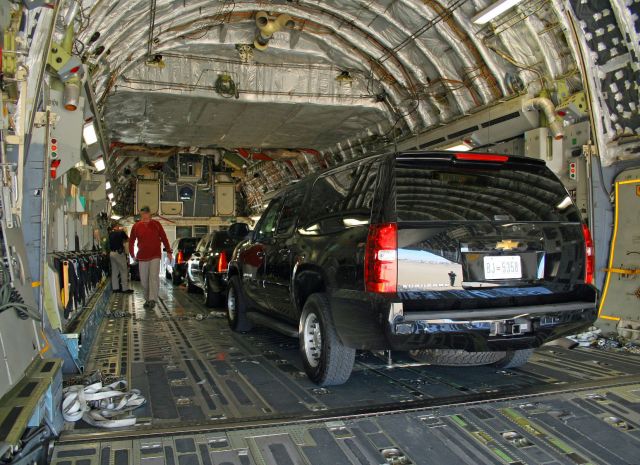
<point>507,245</point>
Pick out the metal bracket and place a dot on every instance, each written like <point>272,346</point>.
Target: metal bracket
<point>589,150</point>
<point>41,119</point>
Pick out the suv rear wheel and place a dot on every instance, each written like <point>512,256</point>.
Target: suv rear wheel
<point>237,307</point>
<point>453,357</point>
<point>326,360</point>
<point>515,358</point>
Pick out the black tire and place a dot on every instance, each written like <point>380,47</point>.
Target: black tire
<point>176,279</point>
<point>334,364</point>
<point>456,358</point>
<point>192,288</point>
<point>515,358</point>
<point>237,307</point>
<point>211,299</point>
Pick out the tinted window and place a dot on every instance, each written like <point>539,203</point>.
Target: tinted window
<point>290,211</point>
<point>341,200</point>
<point>526,193</point>
<point>220,240</point>
<point>267,224</point>
<point>188,244</point>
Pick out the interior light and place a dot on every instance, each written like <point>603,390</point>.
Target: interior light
<point>110,195</point>
<point>115,217</point>
<point>493,10</point>
<point>99,164</point>
<point>113,203</point>
<point>89,133</point>
<point>459,148</point>
<point>107,185</point>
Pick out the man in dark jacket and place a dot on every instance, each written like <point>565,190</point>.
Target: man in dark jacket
<point>118,258</point>
<point>150,236</point>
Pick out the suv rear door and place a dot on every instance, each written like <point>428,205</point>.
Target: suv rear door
<point>253,256</point>
<point>280,256</point>
<point>478,232</point>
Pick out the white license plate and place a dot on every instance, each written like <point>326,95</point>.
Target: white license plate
<point>504,267</point>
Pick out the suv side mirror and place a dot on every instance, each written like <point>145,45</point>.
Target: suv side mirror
<point>239,230</point>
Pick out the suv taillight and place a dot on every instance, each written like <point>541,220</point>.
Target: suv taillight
<point>589,265</point>
<point>180,257</point>
<point>481,157</point>
<point>381,258</point>
<point>223,263</point>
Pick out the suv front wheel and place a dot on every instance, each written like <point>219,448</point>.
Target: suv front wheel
<point>326,360</point>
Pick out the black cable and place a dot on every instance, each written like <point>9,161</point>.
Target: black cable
<point>10,298</point>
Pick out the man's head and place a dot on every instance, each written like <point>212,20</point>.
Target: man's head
<point>145,213</point>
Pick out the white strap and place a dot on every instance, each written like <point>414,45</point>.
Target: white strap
<point>102,406</point>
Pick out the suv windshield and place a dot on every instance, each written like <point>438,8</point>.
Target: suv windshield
<point>440,192</point>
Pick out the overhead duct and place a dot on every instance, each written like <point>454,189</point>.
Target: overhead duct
<point>267,27</point>
<point>488,126</point>
<point>549,109</point>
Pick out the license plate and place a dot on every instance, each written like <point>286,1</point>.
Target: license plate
<point>507,267</point>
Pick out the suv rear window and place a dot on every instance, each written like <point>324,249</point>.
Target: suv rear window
<point>433,192</point>
<point>188,244</point>
<point>220,240</point>
<point>341,199</point>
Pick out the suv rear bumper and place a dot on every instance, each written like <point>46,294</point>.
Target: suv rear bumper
<point>488,329</point>
<point>383,325</point>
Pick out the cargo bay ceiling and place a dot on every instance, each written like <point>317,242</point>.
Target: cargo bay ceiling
<point>333,75</point>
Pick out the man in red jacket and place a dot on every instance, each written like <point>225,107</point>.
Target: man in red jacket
<point>150,236</point>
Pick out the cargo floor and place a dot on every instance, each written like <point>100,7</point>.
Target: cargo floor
<point>197,372</point>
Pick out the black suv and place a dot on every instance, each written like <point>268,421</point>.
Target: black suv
<point>458,258</point>
<point>207,266</point>
<point>182,249</point>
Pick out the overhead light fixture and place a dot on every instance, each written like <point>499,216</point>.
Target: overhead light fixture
<point>89,133</point>
<point>107,185</point>
<point>493,10</point>
<point>459,148</point>
<point>110,195</point>
<point>99,164</point>
<point>115,217</point>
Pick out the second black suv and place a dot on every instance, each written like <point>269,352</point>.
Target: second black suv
<point>459,258</point>
<point>207,267</point>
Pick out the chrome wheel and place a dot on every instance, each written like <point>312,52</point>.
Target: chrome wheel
<point>232,304</point>
<point>312,341</point>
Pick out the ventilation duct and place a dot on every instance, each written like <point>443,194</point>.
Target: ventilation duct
<point>488,126</point>
<point>549,109</point>
<point>267,27</point>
